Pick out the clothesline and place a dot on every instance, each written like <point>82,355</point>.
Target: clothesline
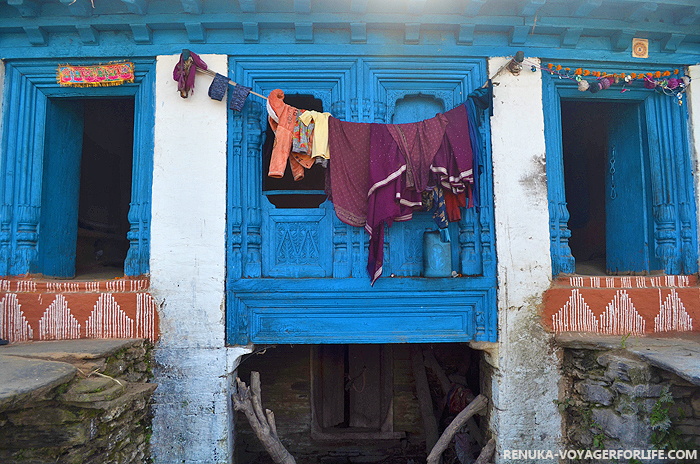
<point>213,74</point>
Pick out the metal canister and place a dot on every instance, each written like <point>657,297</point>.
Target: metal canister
<point>437,255</point>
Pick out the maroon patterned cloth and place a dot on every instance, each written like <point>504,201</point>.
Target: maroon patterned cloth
<point>348,143</point>
<point>419,142</point>
<point>185,70</point>
<point>453,163</point>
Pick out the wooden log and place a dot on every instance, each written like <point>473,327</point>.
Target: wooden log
<point>487,452</point>
<point>424,398</point>
<point>478,404</point>
<point>249,400</point>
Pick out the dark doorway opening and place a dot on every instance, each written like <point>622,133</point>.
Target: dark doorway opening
<point>585,140</point>
<point>105,187</point>
<point>608,188</point>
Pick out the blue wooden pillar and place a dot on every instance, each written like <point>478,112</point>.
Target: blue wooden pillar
<point>20,184</point>
<point>139,235</point>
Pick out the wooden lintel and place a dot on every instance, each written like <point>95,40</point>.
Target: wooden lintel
<point>36,35</point>
<point>642,11</point>
<point>142,33</point>
<point>251,31</point>
<point>671,42</point>
<point>571,36</point>
<point>248,6</point>
<point>26,8</point>
<point>358,32</point>
<point>473,7</point>
<point>196,33</point>
<point>586,7</point>
<point>88,34</point>
<point>192,6</point>
<point>304,32</point>
<point>138,7</point>
<point>531,6</point>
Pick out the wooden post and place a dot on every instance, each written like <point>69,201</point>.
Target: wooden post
<point>424,398</point>
<point>474,407</point>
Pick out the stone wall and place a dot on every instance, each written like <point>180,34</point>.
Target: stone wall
<point>98,415</point>
<point>612,398</point>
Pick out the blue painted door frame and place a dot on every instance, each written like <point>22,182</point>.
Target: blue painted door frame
<point>33,223</point>
<point>660,124</point>
<point>317,290</point>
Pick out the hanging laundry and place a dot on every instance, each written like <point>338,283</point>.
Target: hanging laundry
<point>349,169</point>
<point>388,199</point>
<point>453,163</point>
<point>218,87</point>
<point>302,140</point>
<point>238,97</point>
<point>185,70</point>
<point>478,102</point>
<point>419,142</point>
<point>282,123</point>
<point>320,121</point>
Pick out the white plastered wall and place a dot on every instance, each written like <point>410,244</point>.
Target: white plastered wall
<point>694,110</point>
<point>524,414</point>
<point>192,412</point>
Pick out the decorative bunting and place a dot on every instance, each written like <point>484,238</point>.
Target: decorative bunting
<point>98,75</point>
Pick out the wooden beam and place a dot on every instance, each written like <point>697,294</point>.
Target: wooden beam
<point>88,34</point>
<point>82,8</point>
<point>196,33</point>
<point>192,6</point>
<point>142,33</point>
<point>586,7</point>
<point>518,34</point>
<point>415,7</point>
<point>477,405</point>
<point>473,7</point>
<point>304,32</point>
<point>358,6</point>
<point>424,398</point>
<point>248,6</point>
<point>36,35</point>
<point>302,6</point>
<point>26,8</point>
<point>251,31</point>
<point>466,34</point>
<point>412,33</point>
<point>358,32</point>
<point>531,6</point>
<point>622,39</point>
<point>671,42</point>
<point>138,7</point>
<point>687,16</point>
<point>642,11</point>
<point>571,36</point>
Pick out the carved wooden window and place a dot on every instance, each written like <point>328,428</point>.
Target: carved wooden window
<point>299,274</point>
<point>620,184</point>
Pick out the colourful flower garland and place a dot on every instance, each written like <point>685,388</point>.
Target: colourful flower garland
<point>669,82</point>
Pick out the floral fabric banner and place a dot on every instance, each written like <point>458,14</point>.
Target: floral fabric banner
<point>97,75</point>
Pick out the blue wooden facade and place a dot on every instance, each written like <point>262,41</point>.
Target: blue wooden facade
<point>297,275</point>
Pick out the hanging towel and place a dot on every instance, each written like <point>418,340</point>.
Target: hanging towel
<point>184,71</point>
<point>320,121</point>
<point>349,169</point>
<point>238,97</point>
<point>218,86</point>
